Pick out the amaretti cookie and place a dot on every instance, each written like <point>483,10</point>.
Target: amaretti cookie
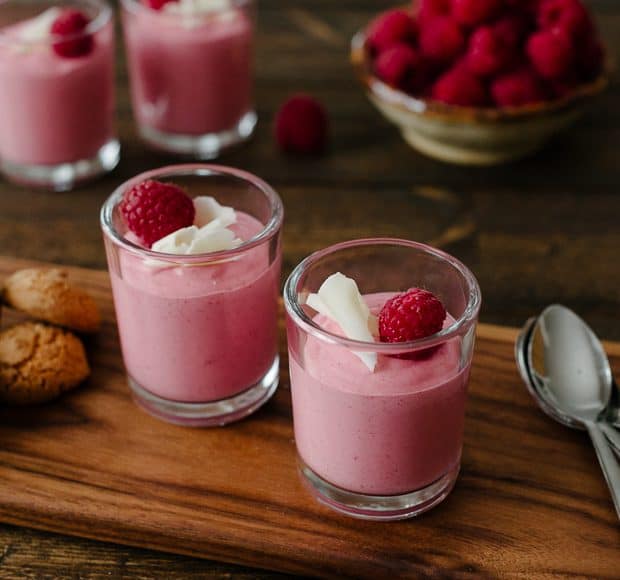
<point>39,362</point>
<point>47,294</point>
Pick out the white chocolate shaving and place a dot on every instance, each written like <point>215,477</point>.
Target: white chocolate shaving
<point>208,209</point>
<point>189,10</point>
<point>39,28</point>
<point>340,300</point>
<point>210,232</point>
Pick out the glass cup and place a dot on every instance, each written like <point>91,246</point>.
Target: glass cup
<point>383,444</point>
<point>199,333</point>
<point>191,72</point>
<point>56,106</point>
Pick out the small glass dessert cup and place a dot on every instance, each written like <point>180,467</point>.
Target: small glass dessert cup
<point>382,444</point>
<point>191,71</point>
<point>57,97</point>
<point>199,332</point>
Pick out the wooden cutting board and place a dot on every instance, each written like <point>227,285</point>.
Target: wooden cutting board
<point>530,500</point>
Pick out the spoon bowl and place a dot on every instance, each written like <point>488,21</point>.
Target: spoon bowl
<point>568,367</point>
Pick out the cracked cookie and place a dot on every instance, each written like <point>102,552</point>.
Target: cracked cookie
<point>39,362</point>
<point>47,294</point>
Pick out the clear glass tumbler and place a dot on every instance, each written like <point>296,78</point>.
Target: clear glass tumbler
<point>191,67</point>
<point>199,333</point>
<point>383,444</point>
<point>57,98</point>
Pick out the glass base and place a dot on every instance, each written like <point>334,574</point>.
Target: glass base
<point>201,147</point>
<point>213,413</point>
<point>64,176</point>
<point>378,507</point>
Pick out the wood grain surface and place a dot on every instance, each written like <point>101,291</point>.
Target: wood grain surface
<point>539,231</point>
<point>530,500</point>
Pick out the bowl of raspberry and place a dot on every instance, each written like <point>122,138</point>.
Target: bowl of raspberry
<point>481,82</point>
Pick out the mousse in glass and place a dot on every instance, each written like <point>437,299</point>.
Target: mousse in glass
<point>57,96</point>
<point>380,337</point>
<point>194,255</point>
<point>191,72</point>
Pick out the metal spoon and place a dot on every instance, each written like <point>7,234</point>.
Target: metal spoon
<point>607,420</point>
<point>566,370</point>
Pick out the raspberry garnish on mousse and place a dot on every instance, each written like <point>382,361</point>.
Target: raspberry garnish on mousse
<point>165,219</point>
<point>157,4</point>
<point>413,315</point>
<point>486,53</point>
<point>404,317</point>
<point>153,210</point>
<point>72,23</point>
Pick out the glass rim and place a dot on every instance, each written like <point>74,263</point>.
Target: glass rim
<point>95,25</point>
<point>136,6</point>
<point>299,316</point>
<point>270,229</point>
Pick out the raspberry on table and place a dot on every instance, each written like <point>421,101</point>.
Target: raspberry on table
<point>302,126</point>
<point>400,66</point>
<point>413,315</point>
<point>460,87</point>
<point>488,53</point>
<point>390,28</point>
<point>517,88</point>
<point>551,52</point>
<point>71,24</point>
<point>473,12</point>
<point>441,40</point>
<point>153,209</point>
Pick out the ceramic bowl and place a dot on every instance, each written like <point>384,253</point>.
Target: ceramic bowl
<point>469,136</point>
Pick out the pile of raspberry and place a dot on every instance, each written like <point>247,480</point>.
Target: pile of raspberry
<point>486,53</point>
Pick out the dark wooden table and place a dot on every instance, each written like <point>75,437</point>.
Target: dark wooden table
<point>538,231</point>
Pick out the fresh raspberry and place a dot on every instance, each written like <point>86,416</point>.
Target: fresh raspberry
<point>152,210</point>
<point>428,10</point>
<point>71,24</point>
<point>441,40</point>
<point>512,29</point>
<point>410,316</point>
<point>302,125</point>
<point>488,52</point>
<point>458,86</point>
<point>474,12</point>
<point>518,88</point>
<point>569,15</point>
<point>157,4</point>
<point>551,53</point>
<point>402,67</point>
<point>390,28</point>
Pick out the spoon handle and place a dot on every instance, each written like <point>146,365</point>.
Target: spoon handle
<point>608,462</point>
<point>613,436</point>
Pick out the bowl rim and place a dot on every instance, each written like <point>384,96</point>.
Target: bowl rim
<point>442,111</point>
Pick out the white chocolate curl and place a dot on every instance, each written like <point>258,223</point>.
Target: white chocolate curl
<point>340,300</point>
<point>209,233</point>
<point>39,29</point>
